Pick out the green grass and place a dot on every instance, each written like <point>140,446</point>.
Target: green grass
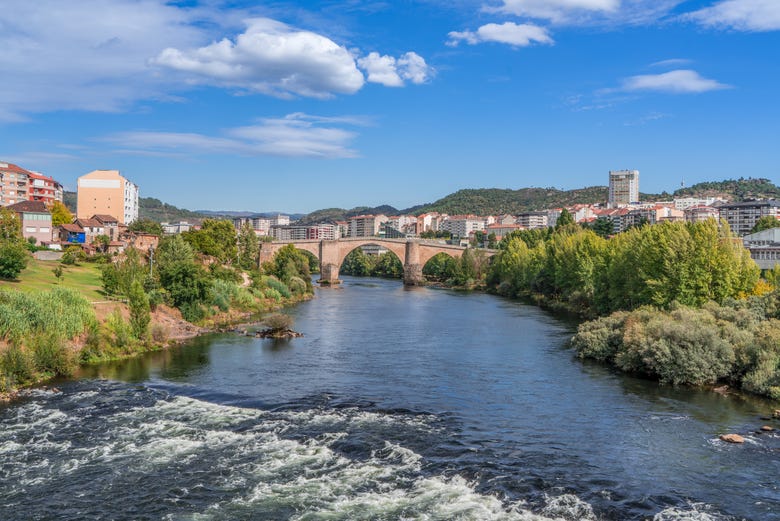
<point>38,276</point>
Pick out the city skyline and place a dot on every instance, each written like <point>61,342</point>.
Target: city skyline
<point>295,106</point>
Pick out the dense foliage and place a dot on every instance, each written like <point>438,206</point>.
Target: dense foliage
<point>36,328</point>
<point>146,225</point>
<point>738,342</point>
<point>359,264</point>
<point>733,189</point>
<point>13,247</point>
<point>216,238</point>
<point>688,263</point>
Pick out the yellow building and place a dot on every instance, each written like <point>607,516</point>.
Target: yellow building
<point>106,192</point>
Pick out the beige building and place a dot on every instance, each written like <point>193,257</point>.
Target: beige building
<point>623,187</point>
<point>106,192</point>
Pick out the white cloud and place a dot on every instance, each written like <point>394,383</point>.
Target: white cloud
<point>86,55</point>
<point>681,81</point>
<point>392,72</point>
<point>743,15</point>
<point>673,62</point>
<point>271,58</point>
<point>555,10</point>
<point>510,33</point>
<point>107,55</point>
<point>295,135</point>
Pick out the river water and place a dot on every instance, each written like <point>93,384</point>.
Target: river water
<point>398,404</point>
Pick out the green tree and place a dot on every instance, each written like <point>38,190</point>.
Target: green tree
<point>357,264</point>
<point>764,223</point>
<point>248,247</point>
<point>290,262</point>
<point>140,312</point>
<point>60,214</point>
<point>146,225</point>
<point>13,250</point>
<point>564,219</point>
<point>186,282</point>
<point>216,238</point>
<point>603,227</point>
<point>492,242</point>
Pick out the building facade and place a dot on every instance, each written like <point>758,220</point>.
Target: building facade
<point>623,187</point>
<point>366,225</point>
<point>14,181</point>
<point>43,188</point>
<point>742,217</point>
<point>462,225</point>
<point>36,220</point>
<point>107,192</point>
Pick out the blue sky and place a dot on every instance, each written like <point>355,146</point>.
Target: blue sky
<point>296,106</point>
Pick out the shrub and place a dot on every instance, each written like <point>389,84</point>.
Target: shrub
<point>278,321</point>
<point>16,366</point>
<point>274,283</point>
<point>193,311</point>
<point>297,285</point>
<point>271,293</point>
<point>159,333</point>
<point>51,356</point>
<point>120,332</point>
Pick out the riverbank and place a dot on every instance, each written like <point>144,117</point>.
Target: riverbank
<point>32,357</point>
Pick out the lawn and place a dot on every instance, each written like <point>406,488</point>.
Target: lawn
<point>38,276</point>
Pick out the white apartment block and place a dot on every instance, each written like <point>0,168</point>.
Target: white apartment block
<point>688,202</point>
<point>462,225</point>
<point>533,219</point>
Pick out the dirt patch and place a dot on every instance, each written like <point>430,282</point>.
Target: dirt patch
<point>177,328</point>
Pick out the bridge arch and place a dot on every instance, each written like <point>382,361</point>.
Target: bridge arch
<point>331,254</point>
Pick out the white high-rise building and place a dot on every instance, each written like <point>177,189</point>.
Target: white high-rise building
<point>623,187</point>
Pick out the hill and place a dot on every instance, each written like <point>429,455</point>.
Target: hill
<point>493,201</point>
<point>340,214</point>
<point>735,190</point>
<point>149,208</point>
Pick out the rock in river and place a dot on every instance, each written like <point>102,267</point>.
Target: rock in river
<point>732,438</point>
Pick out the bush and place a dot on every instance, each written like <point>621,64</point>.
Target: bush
<point>159,333</point>
<point>51,356</point>
<point>193,311</point>
<point>276,284</point>
<point>16,367</point>
<point>278,321</point>
<point>297,285</point>
<point>120,332</point>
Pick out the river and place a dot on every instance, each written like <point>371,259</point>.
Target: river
<point>397,404</point>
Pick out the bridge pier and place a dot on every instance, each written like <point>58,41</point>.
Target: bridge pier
<point>413,275</point>
<point>330,262</point>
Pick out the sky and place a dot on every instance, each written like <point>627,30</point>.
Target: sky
<point>297,106</point>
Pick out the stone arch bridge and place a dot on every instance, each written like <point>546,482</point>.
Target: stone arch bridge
<point>414,253</point>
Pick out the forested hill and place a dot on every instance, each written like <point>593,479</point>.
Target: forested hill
<point>340,214</point>
<point>149,208</point>
<point>493,201</point>
<point>733,189</point>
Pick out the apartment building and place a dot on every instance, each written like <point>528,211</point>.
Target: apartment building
<point>305,232</point>
<point>694,214</point>
<point>623,187</point>
<point>14,181</point>
<point>43,188</point>
<point>107,192</point>
<point>462,225</point>
<point>742,217</point>
<point>532,220</point>
<point>366,225</point>
<point>764,247</point>
<point>689,202</point>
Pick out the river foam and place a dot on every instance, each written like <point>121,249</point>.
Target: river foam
<point>130,452</point>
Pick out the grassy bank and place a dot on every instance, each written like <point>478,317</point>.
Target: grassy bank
<point>39,276</point>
